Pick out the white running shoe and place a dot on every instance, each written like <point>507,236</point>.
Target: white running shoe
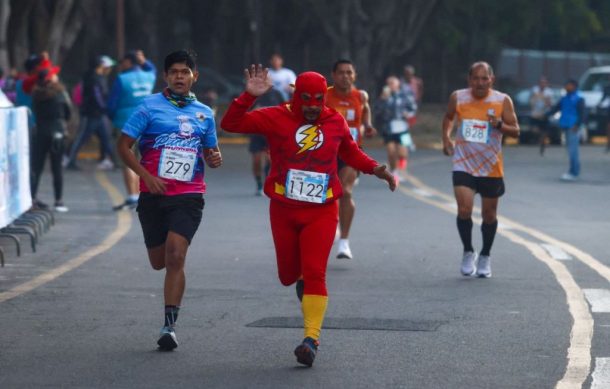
<point>468,263</point>
<point>396,174</point>
<point>484,266</point>
<point>343,251</point>
<point>60,207</point>
<point>568,177</point>
<point>106,164</point>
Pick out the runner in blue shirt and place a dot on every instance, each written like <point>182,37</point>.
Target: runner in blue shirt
<point>175,134</point>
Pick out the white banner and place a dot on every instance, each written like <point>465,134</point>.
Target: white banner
<point>15,196</point>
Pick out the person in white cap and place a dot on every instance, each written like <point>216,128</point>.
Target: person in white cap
<point>93,112</point>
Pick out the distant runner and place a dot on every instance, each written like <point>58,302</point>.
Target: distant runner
<point>484,115</point>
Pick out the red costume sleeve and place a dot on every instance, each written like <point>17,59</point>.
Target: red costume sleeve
<point>238,119</point>
<point>353,155</point>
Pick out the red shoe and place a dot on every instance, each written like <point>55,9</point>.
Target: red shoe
<point>402,164</point>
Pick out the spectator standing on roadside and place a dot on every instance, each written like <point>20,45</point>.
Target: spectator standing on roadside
<point>93,112</point>
<point>132,85</point>
<point>572,109</point>
<point>52,108</point>
<point>282,78</point>
<point>540,102</point>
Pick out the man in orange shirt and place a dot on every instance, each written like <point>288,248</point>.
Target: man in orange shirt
<point>353,105</point>
<point>484,116</point>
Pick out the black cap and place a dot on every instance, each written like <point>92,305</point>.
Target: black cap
<point>131,55</point>
<point>30,64</point>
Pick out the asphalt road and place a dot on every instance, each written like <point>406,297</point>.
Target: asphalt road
<point>403,315</point>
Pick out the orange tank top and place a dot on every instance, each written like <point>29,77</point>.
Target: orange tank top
<point>350,107</point>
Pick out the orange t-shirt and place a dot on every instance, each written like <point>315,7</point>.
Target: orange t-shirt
<point>350,107</point>
<point>478,147</point>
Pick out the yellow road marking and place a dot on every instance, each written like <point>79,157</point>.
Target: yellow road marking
<point>579,351</point>
<point>122,228</point>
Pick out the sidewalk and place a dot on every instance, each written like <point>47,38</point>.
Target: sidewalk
<point>89,221</point>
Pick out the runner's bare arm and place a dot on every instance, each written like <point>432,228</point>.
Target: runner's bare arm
<point>369,130</point>
<point>448,125</point>
<point>124,145</point>
<point>381,171</point>
<point>509,125</point>
<point>212,157</point>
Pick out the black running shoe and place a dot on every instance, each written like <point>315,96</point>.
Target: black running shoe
<point>127,204</point>
<point>306,351</point>
<point>167,340</point>
<point>37,204</point>
<point>300,286</point>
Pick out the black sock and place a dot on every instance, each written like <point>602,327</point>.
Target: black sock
<point>489,233</point>
<point>465,229</point>
<point>267,168</point>
<point>171,315</point>
<point>259,182</point>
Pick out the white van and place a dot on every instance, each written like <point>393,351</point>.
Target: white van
<point>591,86</point>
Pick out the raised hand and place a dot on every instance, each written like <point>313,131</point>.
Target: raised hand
<point>257,80</point>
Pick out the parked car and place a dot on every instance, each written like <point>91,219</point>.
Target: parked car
<point>591,85</point>
<point>226,86</point>
<point>521,101</point>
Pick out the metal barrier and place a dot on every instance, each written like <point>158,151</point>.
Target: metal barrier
<point>16,216</point>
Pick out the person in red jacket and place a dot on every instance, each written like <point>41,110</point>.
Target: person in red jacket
<point>305,138</point>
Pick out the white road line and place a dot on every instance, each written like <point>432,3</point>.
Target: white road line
<point>601,374</point>
<point>599,299</point>
<point>122,228</point>
<point>581,334</point>
<point>580,255</point>
<point>556,252</point>
<point>422,192</point>
<point>503,226</point>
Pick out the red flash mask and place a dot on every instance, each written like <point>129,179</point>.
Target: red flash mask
<point>312,83</point>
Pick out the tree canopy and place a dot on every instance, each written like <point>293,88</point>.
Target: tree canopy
<point>439,37</point>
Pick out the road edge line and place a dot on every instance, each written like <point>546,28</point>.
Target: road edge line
<point>581,333</point>
<point>123,225</point>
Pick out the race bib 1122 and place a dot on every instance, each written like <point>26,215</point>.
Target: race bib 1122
<point>306,186</point>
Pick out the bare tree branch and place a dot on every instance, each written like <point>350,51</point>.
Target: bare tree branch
<point>5,13</point>
<point>73,28</point>
<point>327,22</point>
<point>61,14</point>
<point>417,20</point>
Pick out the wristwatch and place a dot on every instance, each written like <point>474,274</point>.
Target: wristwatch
<point>499,125</point>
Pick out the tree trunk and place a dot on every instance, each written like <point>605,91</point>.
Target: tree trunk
<point>61,14</point>
<point>72,30</point>
<point>18,31</point>
<point>5,12</point>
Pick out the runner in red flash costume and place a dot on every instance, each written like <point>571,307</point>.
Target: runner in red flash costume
<point>305,137</point>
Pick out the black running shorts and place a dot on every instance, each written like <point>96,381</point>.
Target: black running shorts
<point>490,187</point>
<point>258,143</point>
<point>160,214</point>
